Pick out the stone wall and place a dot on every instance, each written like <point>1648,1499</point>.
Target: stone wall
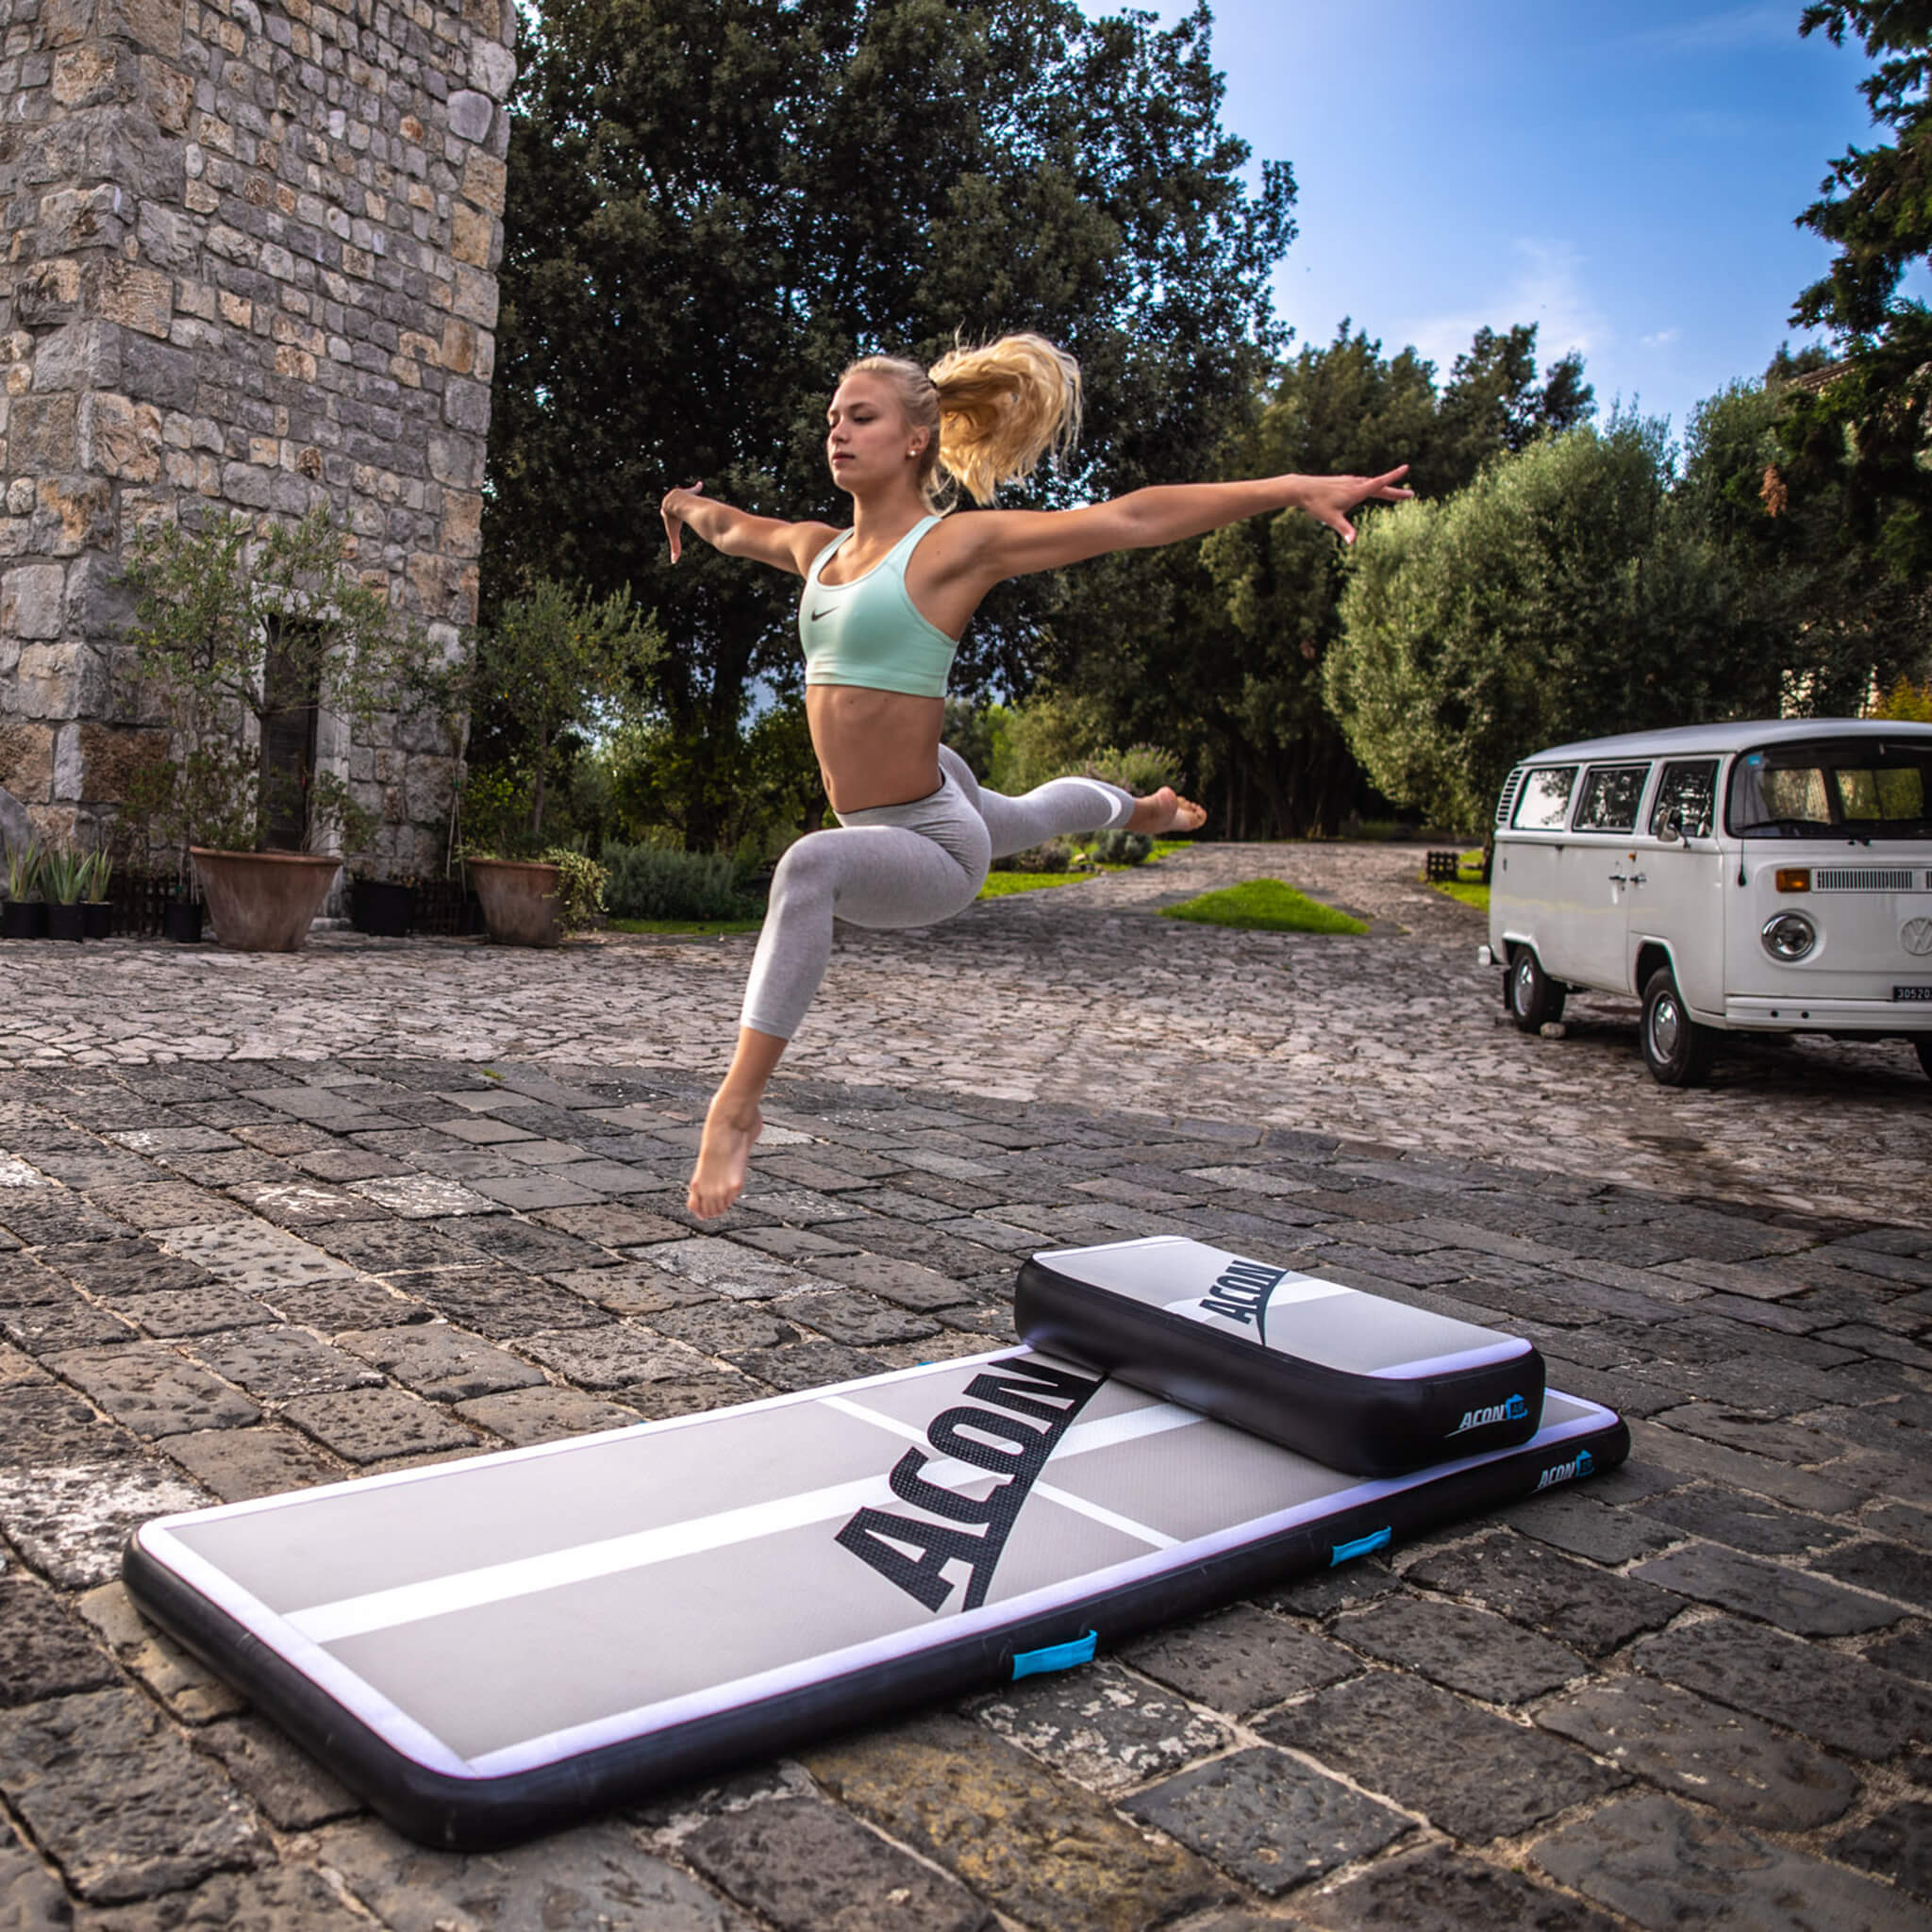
<point>249,264</point>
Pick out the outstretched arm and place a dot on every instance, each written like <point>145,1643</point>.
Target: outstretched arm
<point>1009,543</point>
<point>738,533</point>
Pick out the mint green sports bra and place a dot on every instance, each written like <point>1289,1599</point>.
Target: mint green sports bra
<point>869,632</point>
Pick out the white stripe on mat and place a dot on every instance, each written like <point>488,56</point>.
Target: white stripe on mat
<point>438,1596</point>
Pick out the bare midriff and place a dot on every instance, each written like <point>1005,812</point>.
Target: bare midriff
<point>874,747</point>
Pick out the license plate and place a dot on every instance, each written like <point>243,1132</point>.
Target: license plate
<point>1912,993</point>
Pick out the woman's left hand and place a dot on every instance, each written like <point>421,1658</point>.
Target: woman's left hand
<point>1330,499</point>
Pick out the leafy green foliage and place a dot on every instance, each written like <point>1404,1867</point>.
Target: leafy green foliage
<point>25,865</point>
<point>580,887</point>
<point>1049,855</point>
<point>714,203</point>
<point>1819,613</point>
<point>555,656</point>
<point>1118,846</point>
<point>1556,598</point>
<point>236,626</point>
<point>65,874</point>
<point>1865,431</point>
<point>1233,677</point>
<point>654,882</point>
<point>1907,702</point>
<point>1264,905</point>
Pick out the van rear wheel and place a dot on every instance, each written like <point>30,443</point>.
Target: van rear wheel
<point>1535,998</point>
<point>1676,1049</point>
<point>1922,1045</point>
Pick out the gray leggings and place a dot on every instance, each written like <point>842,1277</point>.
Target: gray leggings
<point>900,865</point>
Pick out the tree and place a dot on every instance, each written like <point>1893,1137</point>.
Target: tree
<point>1811,600</point>
<point>1495,401</point>
<point>714,203</point>
<point>1236,679</point>
<point>1557,597</point>
<point>1867,430</point>
<point>237,635</point>
<point>553,658</point>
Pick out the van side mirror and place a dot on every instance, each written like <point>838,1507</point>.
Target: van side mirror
<point>1671,830</point>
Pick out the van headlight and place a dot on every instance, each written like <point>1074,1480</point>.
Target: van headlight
<point>1790,935</point>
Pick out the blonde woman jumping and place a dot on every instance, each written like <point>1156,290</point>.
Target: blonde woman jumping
<point>884,606</point>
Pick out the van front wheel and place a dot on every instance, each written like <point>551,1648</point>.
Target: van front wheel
<point>1535,998</point>
<point>1676,1048</point>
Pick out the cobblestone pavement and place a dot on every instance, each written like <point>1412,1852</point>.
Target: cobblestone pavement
<point>269,1223</point>
<point>1073,994</point>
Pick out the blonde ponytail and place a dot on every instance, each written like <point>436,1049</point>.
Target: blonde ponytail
<point>1002,409</point>
<point>992,412</point>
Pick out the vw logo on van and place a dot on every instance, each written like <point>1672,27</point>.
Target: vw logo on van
<point>1915,936</point>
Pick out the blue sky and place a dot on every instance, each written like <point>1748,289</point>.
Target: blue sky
<point>1623,174</point>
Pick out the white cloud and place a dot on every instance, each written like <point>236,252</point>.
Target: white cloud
<point>1547,289</point>
<point>1661,339</point>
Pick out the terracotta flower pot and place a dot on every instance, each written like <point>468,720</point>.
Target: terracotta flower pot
<point>519,901</point>
<point>263,902</point>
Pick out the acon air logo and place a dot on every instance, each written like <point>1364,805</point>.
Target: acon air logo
<point>1567,1471</point>
<point>1515,1410</point>
<point>1241,1293</point>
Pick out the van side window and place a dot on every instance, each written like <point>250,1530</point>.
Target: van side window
<point>1611,797</point>
<point>1544,805</point>
<point>1689,788</point>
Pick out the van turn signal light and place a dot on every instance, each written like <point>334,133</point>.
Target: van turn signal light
<point>1794,878</point>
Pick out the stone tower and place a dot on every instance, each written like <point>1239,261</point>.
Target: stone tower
<point>250,262</point>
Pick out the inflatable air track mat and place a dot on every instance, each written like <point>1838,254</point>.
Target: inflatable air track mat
<point>1351,1379</point>
<point>490,1648</point>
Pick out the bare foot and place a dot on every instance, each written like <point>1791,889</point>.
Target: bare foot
<point>1166,811</point>
<point>730,1129</point>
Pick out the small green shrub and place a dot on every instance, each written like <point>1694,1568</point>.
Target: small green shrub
<point>1056,855</point>
<point>651,882</point>
<point>25,865</point>
<point>1140,769</point>
<point>1118,846</point>
<point>580,887</point>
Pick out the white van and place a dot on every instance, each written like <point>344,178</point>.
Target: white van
<point>1768,877</point>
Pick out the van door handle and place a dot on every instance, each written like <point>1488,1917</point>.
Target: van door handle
<point>1617,879</point>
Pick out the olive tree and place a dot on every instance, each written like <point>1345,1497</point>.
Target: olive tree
<point>1560,596</point>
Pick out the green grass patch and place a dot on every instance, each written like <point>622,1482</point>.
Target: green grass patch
<point>1464,892</point>
<point>1467,890</point>
<point>685,928</point>
<point>1264,905</point>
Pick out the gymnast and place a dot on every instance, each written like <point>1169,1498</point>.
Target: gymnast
<point>884,606</point>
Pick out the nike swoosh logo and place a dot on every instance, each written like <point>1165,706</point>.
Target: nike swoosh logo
<point>825,612</point>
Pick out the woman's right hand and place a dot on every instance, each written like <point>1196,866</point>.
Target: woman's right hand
<point>674,522</point>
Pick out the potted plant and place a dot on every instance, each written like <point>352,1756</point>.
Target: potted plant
<point>551,665</point>
<point>95,904</point>
<point>65,874</point>
<point>248,638</point>
<point>24,915</point>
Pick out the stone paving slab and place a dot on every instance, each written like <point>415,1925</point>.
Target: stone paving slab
<point>1697,1691</point>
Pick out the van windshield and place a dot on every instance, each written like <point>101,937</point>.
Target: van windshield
<point>1856,788</point>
